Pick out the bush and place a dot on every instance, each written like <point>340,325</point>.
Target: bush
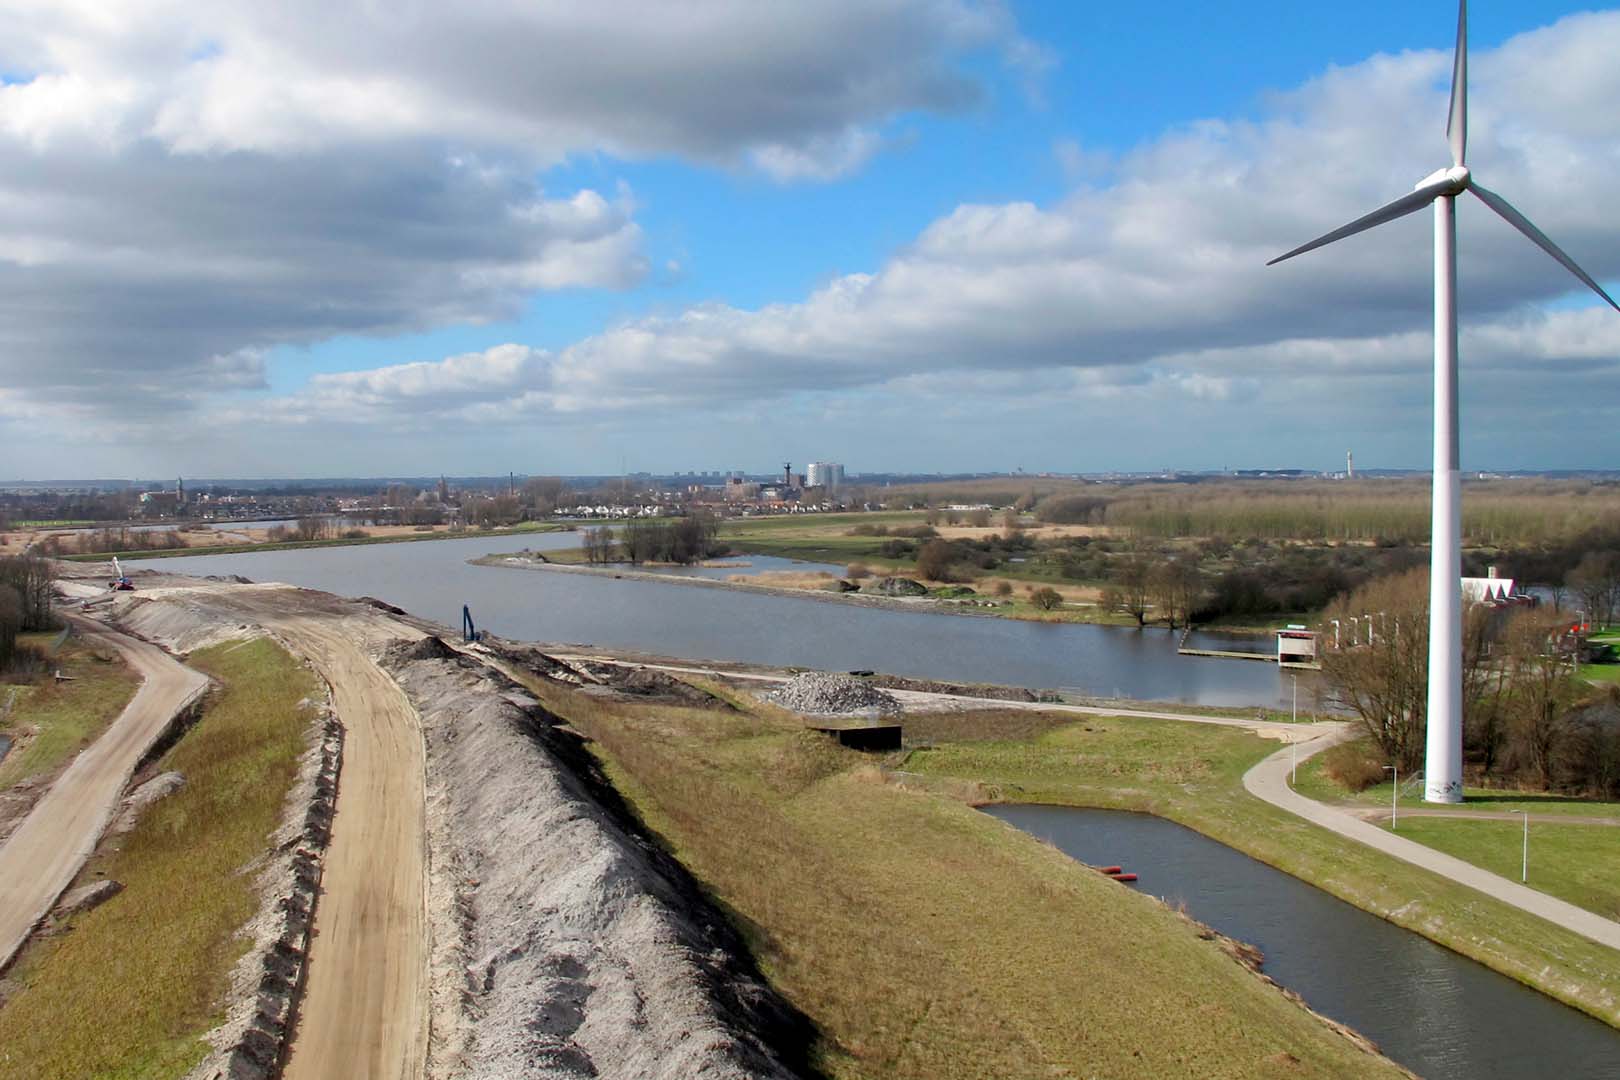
<point>355,534</point>
<point>1046,598</point>
<point>934,561</point>
<point>1351,767</point>
<point>1004,588</point>
<point>856,571</point>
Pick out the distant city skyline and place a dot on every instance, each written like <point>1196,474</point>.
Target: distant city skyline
<point>935,236</point>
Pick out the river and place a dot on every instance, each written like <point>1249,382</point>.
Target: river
<point>433,579</point>
<point>1438,1013</point>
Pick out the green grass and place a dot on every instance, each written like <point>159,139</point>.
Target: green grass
<point>1193,774</point>
<point>292,545</point>
<point>1577,863</point>
<point>1601,673</point>
<point>64,717</point>
<point>926,940</point>
<point>128,991</point>
<point>1315,783</point>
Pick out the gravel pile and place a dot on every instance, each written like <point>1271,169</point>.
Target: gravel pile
<point>822,694</point>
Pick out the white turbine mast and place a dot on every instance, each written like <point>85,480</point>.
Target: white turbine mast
<point>1443,757</point>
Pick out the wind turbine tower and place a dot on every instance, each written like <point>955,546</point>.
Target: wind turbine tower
<point>1443,757</point>
<point>1349,465</point>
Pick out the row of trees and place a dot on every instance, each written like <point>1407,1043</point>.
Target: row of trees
<point>25,601</point>
<point>1526,718</point>
<point>684,541</point>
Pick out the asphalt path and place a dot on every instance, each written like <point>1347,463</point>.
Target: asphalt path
<point>1269,781</point>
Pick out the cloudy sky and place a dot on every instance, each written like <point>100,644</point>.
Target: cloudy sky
<point>308,239</point>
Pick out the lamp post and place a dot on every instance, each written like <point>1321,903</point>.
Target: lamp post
<point>1293,737</point>
<point>1524,856</point>
<point>1335,623</point>
<point>1394,794</point>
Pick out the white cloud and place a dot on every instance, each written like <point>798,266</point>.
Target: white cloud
<point>188,181</point>
<point>1155,287</point>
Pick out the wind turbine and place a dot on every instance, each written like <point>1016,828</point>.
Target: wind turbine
<point>1443,756</point>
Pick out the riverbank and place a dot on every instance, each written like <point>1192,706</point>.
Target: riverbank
<point>526,529</point>
<point>983,607</point>
<point>1193,775</point>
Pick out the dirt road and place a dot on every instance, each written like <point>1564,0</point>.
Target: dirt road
<point>365,1010</point>
<point>44,855</point>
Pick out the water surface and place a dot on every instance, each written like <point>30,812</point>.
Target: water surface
<point>1438,1013</point>
<point>433,579</point>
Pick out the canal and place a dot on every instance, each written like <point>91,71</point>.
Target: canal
<point>1439,1014</point>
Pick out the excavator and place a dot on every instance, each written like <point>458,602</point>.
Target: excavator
<point>121,583</point>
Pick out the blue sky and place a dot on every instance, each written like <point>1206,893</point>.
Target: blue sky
<point>332,286</point>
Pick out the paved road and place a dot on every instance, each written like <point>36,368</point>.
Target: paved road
<point>45,854</point>
<point>1269,781</point>
<point>365,1010</point>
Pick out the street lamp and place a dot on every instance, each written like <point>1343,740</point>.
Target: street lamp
<point>1335,623</point>
<point>1524,857</point>
<point>1394,794</point>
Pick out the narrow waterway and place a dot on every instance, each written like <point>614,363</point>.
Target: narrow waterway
<point>433,579</point>
<point>1439,1014</point>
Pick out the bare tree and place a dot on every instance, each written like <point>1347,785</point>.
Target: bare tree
<point>1537,669</point>
<point>1384,682</point>
<point>32,579</point>
<point>1596,581</point>
<point>1131,583</point>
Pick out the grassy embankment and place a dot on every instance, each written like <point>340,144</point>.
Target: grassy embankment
<point>927,940</point>
<point>127,992</point>
<point>1193,774</point>
<point>51,720</point>
<point>522,529</point>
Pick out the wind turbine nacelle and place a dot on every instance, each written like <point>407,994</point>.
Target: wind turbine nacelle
<point>1452,181</point>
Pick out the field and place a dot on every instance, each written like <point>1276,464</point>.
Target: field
<point>1578,863</point>
<point>127,990</point>
<point>55,720</point>
<point>926,940</point>
<point>1193,774</point>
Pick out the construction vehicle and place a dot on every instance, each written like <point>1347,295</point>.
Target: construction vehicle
<point>121,583</point>
<point>469,632</point>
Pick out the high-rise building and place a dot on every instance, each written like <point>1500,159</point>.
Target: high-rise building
<point>825,474</point>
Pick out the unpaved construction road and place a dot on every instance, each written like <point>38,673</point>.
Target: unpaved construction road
<point>45,854</point>
<point>365,1010</point>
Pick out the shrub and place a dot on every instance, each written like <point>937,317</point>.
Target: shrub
<point>1004,588</point>
<point>355,534</point>
<point>1046,598</point>
<point>856,571</point>
<point>1351,767</point>
<point>934,561</point>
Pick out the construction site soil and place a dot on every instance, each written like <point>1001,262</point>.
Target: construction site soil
<point>476,901</point>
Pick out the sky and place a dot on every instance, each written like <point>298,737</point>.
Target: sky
<point>318,239</point>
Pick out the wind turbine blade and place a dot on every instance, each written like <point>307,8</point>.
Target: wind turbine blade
<point>1457,122</point>
<point>1522,223</point>
<point>1406,204</point>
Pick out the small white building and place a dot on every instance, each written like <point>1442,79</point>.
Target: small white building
<point>1296,645</point>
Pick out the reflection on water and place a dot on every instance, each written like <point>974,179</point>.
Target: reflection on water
<point>1435,1012</point>
<point>433,579</point>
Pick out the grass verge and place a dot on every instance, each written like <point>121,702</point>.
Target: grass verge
<point>1193,773</point>
<point>55,720</point>
<point>1577,863</point>
<point>128,990</point>
<point>928,940</point>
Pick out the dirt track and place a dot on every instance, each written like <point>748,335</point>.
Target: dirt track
<point>365,1011</point>
<point>44,855</point>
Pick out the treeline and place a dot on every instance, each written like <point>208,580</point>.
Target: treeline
<point>25,602</point>
<point>1495,512</point>
<point>1527,720</point>
<point>682,541</point>
<point>104,541</point>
